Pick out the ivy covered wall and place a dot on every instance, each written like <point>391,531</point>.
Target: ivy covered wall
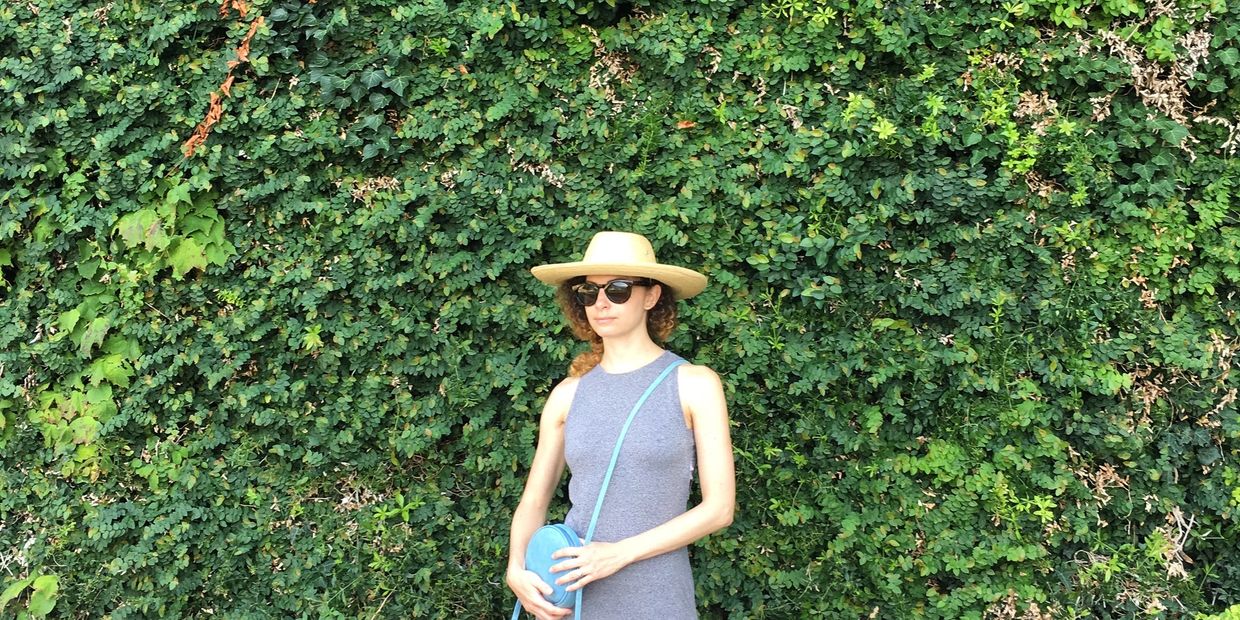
<point>269,346</point>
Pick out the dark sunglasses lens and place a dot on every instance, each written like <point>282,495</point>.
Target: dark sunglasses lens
<point>586,294</point>
<point>618,291</point>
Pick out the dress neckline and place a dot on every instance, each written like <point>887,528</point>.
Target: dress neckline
<point>635,370</point>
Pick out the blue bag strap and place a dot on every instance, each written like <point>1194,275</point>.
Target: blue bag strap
<point>615,455</point>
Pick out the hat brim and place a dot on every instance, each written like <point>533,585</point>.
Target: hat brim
<point>684,283</point>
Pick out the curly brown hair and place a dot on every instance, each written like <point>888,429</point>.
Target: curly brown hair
<point>660,322</point>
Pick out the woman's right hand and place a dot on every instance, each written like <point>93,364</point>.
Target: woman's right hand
<point>530,590</point>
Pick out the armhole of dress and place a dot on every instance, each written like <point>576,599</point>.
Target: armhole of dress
<point>568,412</point>
<point>685,416</point>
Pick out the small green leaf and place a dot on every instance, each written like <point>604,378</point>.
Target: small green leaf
<point>85,452</point>
<point>311,340</point>
<point>1174,133</point>
<point>872,419</point>
<point>884,128</point>
<point>371,122</point>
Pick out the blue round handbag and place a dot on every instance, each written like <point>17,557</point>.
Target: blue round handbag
<point>545,541</point>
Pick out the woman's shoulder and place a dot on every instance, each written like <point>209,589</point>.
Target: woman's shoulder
<point>561,397</point>
<point>698,376</point>
<point>701,391</point>
<point>555,409</point>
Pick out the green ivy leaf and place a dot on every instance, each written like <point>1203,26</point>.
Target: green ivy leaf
<point>43,599</point>
<point>85,429</point>
<point>142,227</point>
<point>178,193</point>
<point>397,84</point>
<point>94,335</point>
<point>67,321</point>
<point>218,252</point>
<point>110,368</point>
<point>14,590</point>
<point>131,226</point>
<point>373,78</point>
<point>199,223</point>
<point>186,256</point>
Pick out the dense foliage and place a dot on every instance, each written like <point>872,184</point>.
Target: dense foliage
<point>269,346</point>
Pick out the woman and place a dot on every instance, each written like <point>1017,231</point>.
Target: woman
<point>621,300</point>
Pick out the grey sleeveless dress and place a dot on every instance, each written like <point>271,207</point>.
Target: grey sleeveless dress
<point>649,486</point>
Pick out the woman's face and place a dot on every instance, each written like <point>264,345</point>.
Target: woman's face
<point>611,319</point>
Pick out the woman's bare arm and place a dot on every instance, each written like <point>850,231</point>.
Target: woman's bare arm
<point>544,476</point>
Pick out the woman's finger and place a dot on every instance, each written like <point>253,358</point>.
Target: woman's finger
<point>540,586</point>
<point>566,565</point>
<point>571,576</point>
<point>566,552</point>
<point>580,583</point>
<point>539,606</point>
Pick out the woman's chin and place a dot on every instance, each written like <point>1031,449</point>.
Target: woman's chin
<point>602,326</point>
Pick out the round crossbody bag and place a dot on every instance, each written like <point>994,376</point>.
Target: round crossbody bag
<point>547,540</point>
<point>550,538</point>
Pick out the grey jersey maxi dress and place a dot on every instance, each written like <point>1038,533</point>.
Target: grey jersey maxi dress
<point>649,486</point>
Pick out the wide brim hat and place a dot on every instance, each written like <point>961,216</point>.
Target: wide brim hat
<point>623,254</point>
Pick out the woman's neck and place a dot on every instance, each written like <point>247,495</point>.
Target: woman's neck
<point>625,354</point>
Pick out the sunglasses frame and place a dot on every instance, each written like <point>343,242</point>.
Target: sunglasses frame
<point>577,295</point>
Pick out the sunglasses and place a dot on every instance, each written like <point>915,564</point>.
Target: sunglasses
<point>618,291</point>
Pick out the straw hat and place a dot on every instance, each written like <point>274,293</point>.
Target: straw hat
<point>623,254</point>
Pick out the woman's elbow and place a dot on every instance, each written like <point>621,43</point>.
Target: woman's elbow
<point>723,516</point>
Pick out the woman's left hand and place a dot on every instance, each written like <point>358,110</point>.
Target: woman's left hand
<point>589,563</point>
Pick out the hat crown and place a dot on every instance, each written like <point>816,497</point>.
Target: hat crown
<point>619,247</point>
